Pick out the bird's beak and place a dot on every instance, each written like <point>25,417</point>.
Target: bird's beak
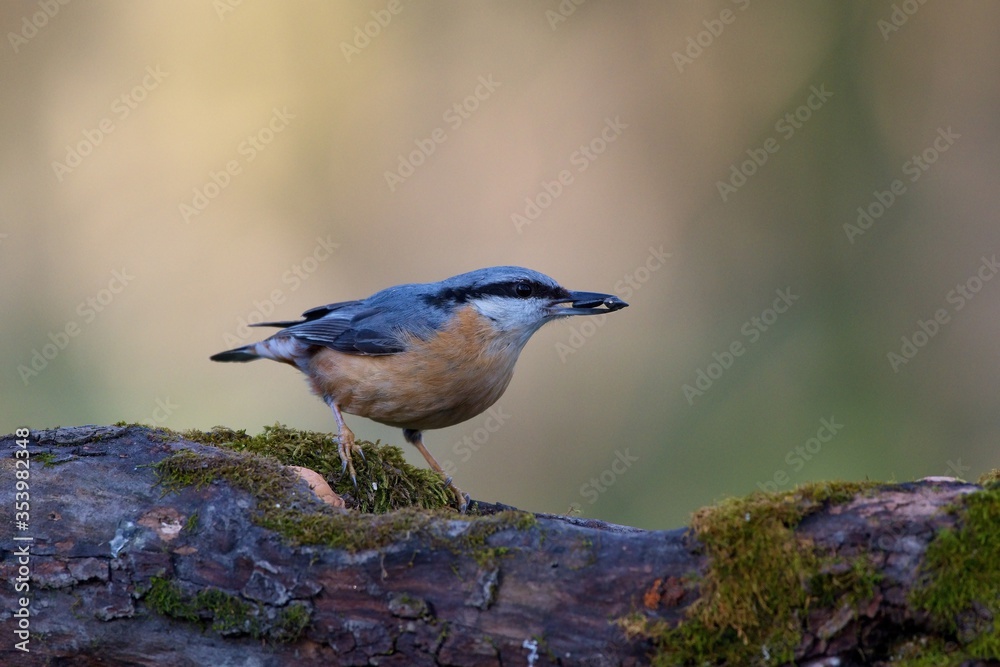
<point>587,303</point>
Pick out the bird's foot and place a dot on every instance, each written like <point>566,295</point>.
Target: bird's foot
<point>461,497</point>
<point>347,447</point>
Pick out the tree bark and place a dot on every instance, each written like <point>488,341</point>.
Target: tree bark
<point>103,539</point>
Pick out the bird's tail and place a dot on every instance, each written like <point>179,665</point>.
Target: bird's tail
<point>280,348</point>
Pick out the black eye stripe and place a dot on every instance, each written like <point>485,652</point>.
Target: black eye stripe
<point>510,288</point>
<point>521,289</point>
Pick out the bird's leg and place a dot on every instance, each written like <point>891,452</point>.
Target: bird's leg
<point>345,441</point>
<point>416,439</point>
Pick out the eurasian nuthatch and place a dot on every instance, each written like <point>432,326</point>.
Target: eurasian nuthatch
<point>421,356</point>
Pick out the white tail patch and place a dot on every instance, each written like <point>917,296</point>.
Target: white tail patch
<point>283,348</point>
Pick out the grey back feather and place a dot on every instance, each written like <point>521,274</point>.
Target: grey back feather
<point>382,323</point>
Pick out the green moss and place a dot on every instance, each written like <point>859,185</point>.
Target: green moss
<point>833,493</point>
<point>385,480</point>
<point>291,623</point>
<point>582,555</point>
<point>230,615</point>
<point>411,502</point>
<point>165,598</point>
<point>990,478</point>
<point>227,614</point>
<point>252,473</point>
<point>960,582</point>
<point>838,583</point>
<point>475,540</point>
<point>761,582</point>
<point>487,557</point>
<point>411,499</point>
<point>927,652</point>
<point>47,459</point>
<point>282,504</point>
<point>160,433</point>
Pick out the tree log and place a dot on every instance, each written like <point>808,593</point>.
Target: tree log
<point>113,565</point>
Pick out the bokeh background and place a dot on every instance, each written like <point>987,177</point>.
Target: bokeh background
<point>171,170</point>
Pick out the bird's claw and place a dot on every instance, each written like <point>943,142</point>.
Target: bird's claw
<point>346,447</point>
<point>344,467</point>
<point>461,497</point>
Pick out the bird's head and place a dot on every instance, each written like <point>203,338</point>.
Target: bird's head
<point>519,301</point>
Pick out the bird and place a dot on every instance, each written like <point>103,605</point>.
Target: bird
<point>421,356</point>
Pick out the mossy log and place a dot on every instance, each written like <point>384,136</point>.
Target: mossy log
<point>145,547</point>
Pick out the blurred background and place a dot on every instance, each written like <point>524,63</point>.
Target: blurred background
<point>797,199</point>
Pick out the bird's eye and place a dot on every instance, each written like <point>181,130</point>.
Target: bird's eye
<point>523,290</point>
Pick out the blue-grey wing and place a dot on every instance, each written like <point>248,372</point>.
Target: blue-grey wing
<point>309,315</point>
<point>381,324</point>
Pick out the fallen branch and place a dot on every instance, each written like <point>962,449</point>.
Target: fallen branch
<point>150,548</point>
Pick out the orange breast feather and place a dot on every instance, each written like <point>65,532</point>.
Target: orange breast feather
<point>439,382</point>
